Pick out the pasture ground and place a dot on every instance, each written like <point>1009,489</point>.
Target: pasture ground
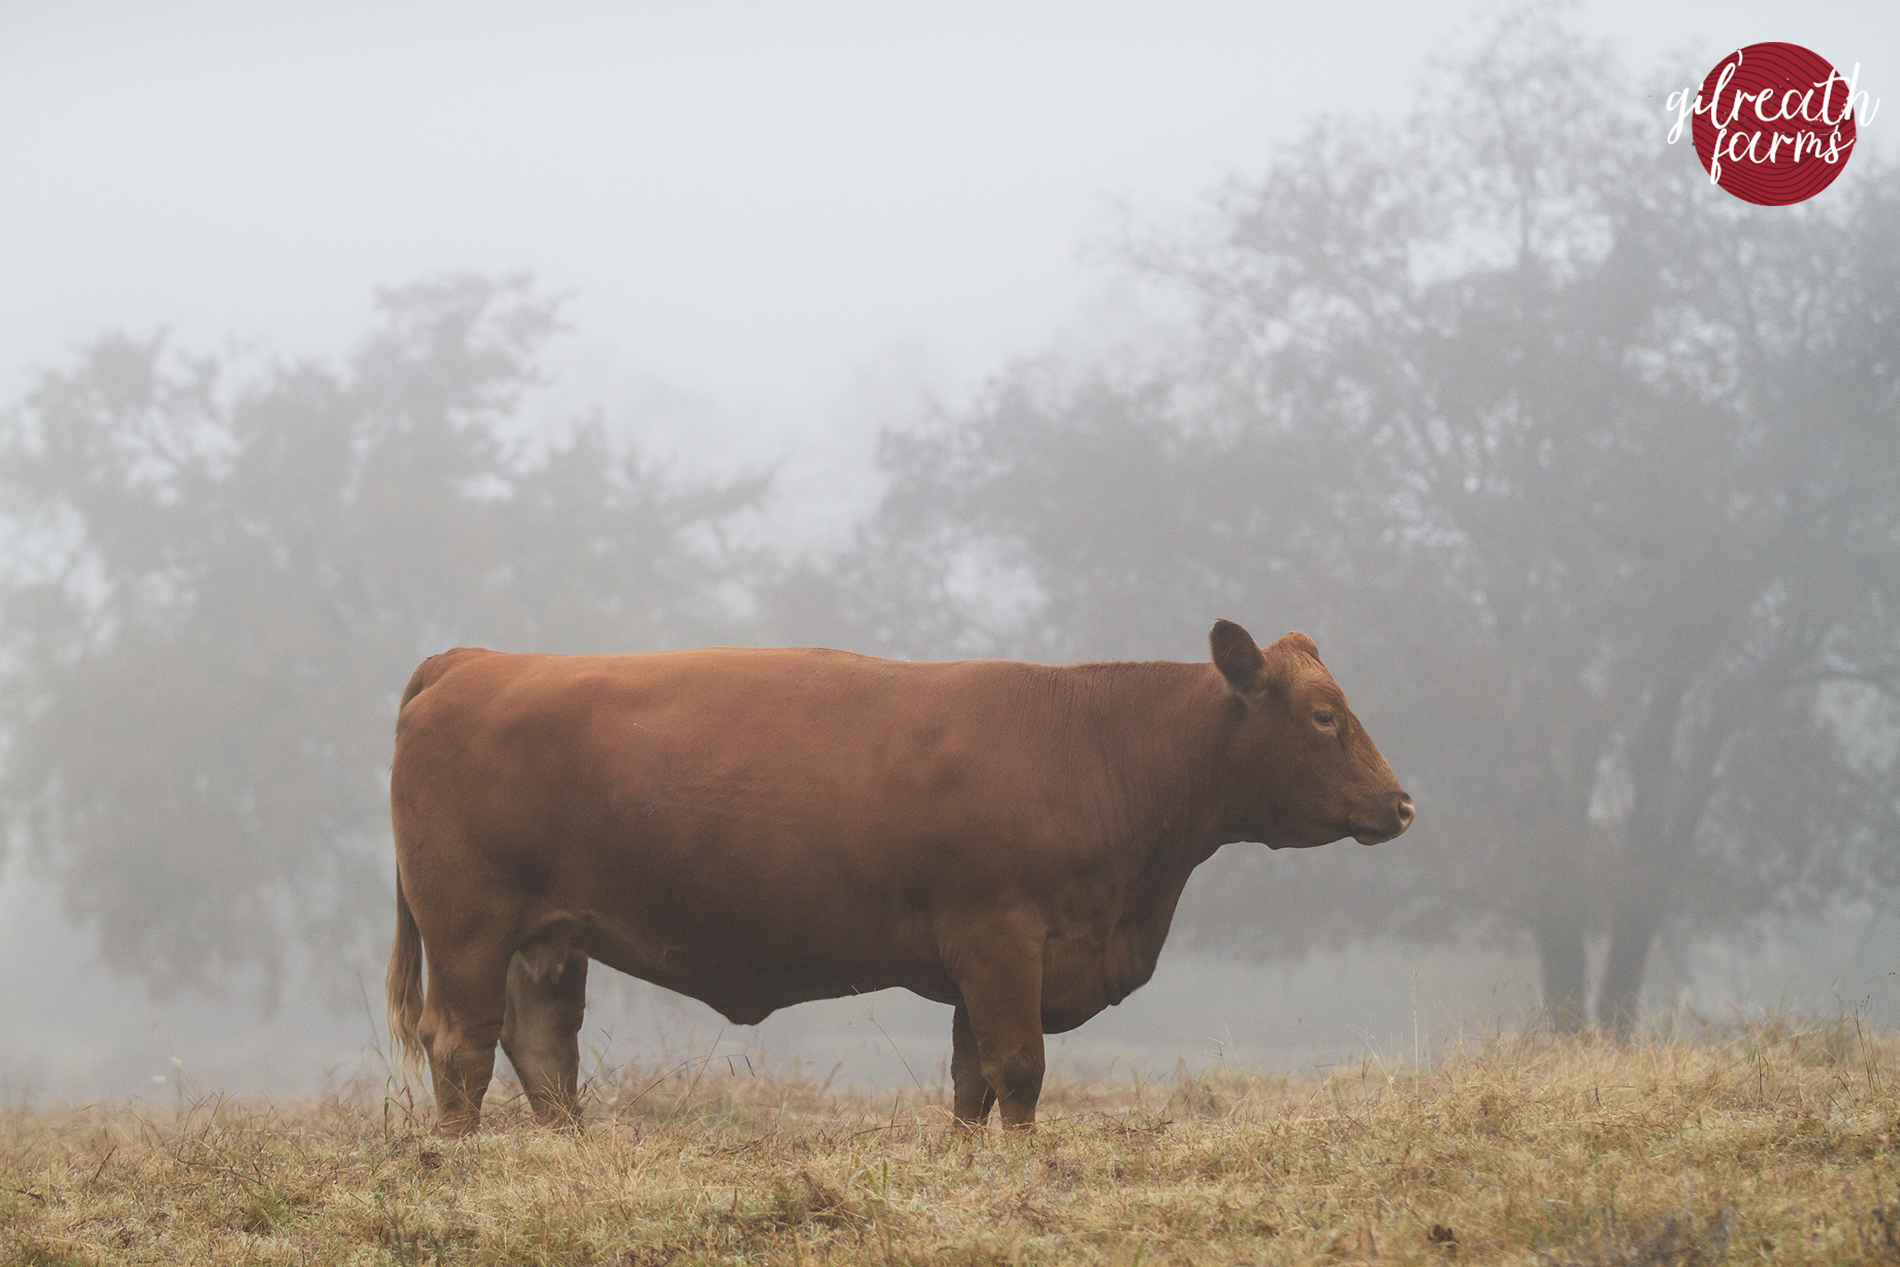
<point>1774,1143</point>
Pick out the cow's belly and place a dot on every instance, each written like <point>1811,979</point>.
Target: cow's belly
<point>747,961</point>
<point>747,970</point>
<point>768,942</point>
<point>748,983</point>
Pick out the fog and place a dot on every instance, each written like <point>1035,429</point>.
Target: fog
<point>929,332</point>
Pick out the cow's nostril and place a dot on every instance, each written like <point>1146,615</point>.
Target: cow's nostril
<point>1403,810</point>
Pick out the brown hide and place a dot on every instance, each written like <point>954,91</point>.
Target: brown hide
<point>757,828</point>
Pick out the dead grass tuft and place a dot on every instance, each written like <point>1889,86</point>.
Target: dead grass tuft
<point>1775,1143</point>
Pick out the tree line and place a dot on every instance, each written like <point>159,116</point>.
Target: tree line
<point>1585,476</point>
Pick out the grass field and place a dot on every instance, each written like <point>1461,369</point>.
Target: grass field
<point>1775,1143</point>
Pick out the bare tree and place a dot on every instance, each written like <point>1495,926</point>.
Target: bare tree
<point>218,584</point>
<point>1586,476</point>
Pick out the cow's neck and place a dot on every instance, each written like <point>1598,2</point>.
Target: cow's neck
<point>1162,732</point>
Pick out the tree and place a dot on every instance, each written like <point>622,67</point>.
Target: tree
<point>1586,476</point>
<point>219,584</point>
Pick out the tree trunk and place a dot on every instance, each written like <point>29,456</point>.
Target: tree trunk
<point>1564,968</point>
<point>1631,936</point>
<point>1649,882</point>
<point>1672,795</point>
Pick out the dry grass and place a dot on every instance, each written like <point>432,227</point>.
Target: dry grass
<point>1775,1144</point>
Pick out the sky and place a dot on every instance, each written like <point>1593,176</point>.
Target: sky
<point>776,223</point>
<point>766,210</point>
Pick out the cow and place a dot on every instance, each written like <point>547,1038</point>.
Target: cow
<point>757,828</point>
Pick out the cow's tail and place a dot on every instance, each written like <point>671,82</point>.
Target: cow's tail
<point>404,987</point>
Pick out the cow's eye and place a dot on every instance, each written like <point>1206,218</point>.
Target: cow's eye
<point>1324,716</point>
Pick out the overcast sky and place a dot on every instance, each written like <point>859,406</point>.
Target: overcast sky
<point>757,206</point>
<point>752,204</point>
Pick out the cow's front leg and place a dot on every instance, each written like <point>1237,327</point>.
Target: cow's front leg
<point>974,1094</point>
<point>998,969</point>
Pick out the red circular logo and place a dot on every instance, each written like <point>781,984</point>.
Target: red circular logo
<point>1774,124</point>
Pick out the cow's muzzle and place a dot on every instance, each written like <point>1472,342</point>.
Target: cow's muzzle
<point>1397,817</point>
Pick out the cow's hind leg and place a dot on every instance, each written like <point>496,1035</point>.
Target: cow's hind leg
<point>974,1095</point>
<point>547,996</point>
<point>461,1020</point>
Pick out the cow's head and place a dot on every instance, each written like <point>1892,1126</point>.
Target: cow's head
<point>1306,771</point>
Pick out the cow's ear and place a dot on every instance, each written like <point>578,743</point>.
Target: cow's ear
<point>1238,657</point>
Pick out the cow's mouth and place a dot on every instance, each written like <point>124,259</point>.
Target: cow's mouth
<point>1397,818</point>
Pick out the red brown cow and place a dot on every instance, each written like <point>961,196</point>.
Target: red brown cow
<point>757,828</point>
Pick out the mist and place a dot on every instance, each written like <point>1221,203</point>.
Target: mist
<point>335,338</point>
